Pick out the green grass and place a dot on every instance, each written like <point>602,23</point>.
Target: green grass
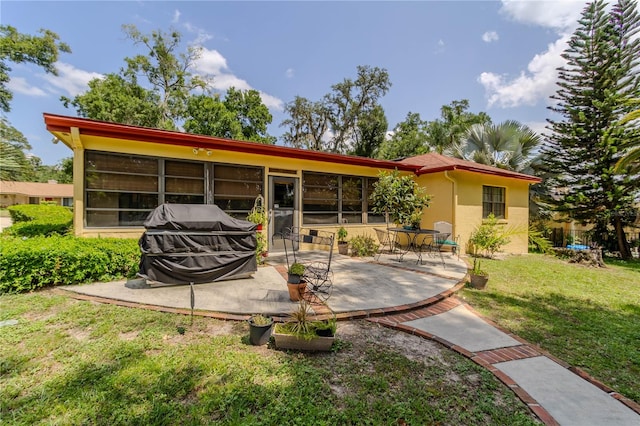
<point>73,362</point>
<point>588,317</point>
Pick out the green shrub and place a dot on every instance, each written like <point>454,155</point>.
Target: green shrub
<point>29,212</point>
<point>538,243</point>
<point>363,245</point>
<point>31,220</point>
<point>29,264</point>
<point>489,237</point>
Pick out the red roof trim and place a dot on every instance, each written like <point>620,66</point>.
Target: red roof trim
<point>495,172</point>
<point>60,123</point>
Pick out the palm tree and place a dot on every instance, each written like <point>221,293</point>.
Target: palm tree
<point>508,145</point>
<point>631,157</point>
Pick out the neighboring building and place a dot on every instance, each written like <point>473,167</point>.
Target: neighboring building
<point>121,173</point>
<point>12,193</point>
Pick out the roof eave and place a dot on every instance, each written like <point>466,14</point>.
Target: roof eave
<point>497,172</point>
<point>58,123</point>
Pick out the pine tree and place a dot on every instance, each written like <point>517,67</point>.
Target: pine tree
<point>600,77</point>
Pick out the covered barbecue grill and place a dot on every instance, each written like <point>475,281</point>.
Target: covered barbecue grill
<point>196,243</point>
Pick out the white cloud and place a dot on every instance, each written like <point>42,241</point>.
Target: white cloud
<point>212,64</point>
<point>20,85</point>
<point>289,73</point>
<point>202,35</point>
<point>176,17</point>
<point>490,36</point>
<point>538,81</point>
<point>70,79</point>
<point>272,101</point>
<point>560,15</point>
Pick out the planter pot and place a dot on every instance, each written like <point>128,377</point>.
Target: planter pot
<point>479,281</point>
<point>296,291</point>
<point>288,341</point>
<point>259,334</point>
<point>294,279</point>
<point>343,248</point>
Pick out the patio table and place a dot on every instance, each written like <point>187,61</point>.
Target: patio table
<point>415,241</point>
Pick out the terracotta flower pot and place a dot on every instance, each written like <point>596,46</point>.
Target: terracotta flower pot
<point>479,281</point>
<point>296,291</point>
<point>343,248</point>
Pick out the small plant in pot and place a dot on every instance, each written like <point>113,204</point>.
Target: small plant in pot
<point>477,276</point>
<point>302,332</point>
<point>295,282</point>
<point>260,329</point>
<point>295,273</point>
<point>343,245</point>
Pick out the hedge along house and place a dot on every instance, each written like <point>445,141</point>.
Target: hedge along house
<point>122,172</point>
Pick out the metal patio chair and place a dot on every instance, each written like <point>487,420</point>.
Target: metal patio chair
<point>435,246</point>
<point>317,274</point>
<point>387,242</point>
<point>452,243</point>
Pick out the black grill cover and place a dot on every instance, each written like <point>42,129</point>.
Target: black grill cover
<point>196,243</point>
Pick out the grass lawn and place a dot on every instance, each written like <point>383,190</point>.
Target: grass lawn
<point>588,317</point>
<point>73,362</point>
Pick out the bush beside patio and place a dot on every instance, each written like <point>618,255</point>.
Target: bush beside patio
<point>32,263</point>
<point>30,220</point>
<point>588,317</point>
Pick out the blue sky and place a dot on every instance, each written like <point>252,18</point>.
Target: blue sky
<point>500,55</point>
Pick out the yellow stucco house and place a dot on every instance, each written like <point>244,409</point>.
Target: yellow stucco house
<point>121,173</point>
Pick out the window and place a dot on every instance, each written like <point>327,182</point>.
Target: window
<point>319,198</point>
<point>371,216</point>
<point>333,199</point>
<point>121,190</point>
<point>351,200</point>
<point>493,201</point>
<point>235,188</point>
<point>183,182</point>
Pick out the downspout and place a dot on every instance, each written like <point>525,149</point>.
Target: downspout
<point>454,203</point>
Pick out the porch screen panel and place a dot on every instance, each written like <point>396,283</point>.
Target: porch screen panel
<point>184,182</point>
<point>235,188</point>
<point>319,198</point>
<point>351,206</point>
<point>121,190</point>
<point>371,216</point>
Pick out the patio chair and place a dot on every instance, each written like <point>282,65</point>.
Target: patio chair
<point>387,242</point>
<point>435,245</point>
<point>451,243</point>
<point>318,275</point>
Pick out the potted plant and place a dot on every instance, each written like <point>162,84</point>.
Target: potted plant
<point>295,281</point>
<point>301,332</point>
<point>258,215</point>
<point>260,328</point>
<point>477,276</point>
<point>343,245</point>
